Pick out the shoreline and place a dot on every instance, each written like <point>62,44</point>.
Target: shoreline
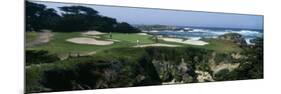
<point>191,42</point>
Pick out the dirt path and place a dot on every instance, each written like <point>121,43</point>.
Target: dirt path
<point>65,56</point>
<point>43,37</point>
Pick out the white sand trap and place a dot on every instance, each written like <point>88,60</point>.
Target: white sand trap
<point>93,33</point>
<point>142,33</point>
<point>82,40</point>
<point>192,42</point>
<point>90,36</point>
<point>43,37</point>
<point>157,44</point>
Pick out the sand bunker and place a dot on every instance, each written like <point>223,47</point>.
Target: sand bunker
<point>93,33</point>
<point>82,40</point>
<point>157,44</point>
<point>43,37</point>
<point>142,33</point>
<point>192,42</point>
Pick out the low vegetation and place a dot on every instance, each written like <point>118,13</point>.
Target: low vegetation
<point>39,57</point>
<point>136,67</point>
<point>51,66</point>
<point>222,46</point>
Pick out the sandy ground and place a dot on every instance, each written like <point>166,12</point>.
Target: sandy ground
<point>43,37</point>
<point>157,44</point>
<point>191,42</point>
<point>142,33</point>
<point>93,33</point>
<point>92,41</point>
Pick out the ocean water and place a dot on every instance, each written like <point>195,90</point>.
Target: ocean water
<point>199,33</point>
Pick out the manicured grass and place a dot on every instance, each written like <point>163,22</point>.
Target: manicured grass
<point>60,46</point>
<point>30,36</point>
<point>131,38</point>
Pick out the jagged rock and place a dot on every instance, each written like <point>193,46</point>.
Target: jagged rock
<point>204,76</point>
<point>235,37</point>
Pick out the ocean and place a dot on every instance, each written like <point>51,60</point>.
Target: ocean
<point>197,33</point>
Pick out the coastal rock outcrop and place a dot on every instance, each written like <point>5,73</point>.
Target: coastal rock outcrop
<point>235,37</point>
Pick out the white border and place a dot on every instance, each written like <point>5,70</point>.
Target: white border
<point>11,49</point>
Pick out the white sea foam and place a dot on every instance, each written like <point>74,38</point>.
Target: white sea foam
<point>153,31</point>
<point>200,30</point>
<point>249,33</point>
<point>194,38</point>
<point>197,33</point>
<point>248,40</point>
<point>242,32</point>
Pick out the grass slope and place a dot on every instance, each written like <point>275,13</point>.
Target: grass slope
<point>30,36</point>
<point>132,38</point>
<point>222,46</point>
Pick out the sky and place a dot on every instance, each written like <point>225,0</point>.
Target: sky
<point>172,17</point>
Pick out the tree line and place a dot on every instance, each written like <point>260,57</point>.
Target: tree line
<point>71,19</point>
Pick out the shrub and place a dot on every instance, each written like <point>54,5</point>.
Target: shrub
<point>39,57</point>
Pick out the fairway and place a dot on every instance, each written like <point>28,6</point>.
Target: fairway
<point>60,46</point>
<point>131,38</point>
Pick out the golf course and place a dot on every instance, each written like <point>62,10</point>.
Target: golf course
<point>58,43</point>
<point>72,47</point>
